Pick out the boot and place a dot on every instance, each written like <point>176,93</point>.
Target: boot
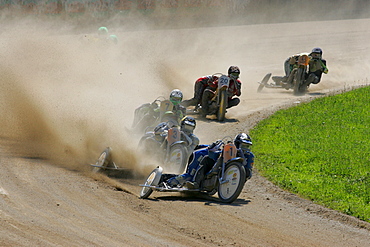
<point>192,185</point>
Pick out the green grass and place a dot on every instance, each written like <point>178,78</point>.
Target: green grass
<point>321,151</point>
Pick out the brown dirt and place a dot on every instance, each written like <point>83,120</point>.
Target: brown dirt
<point>63,102</point>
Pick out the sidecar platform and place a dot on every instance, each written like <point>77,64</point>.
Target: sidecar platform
<point>169,189</point>
<point>114,167</point>
<point>275,84</point>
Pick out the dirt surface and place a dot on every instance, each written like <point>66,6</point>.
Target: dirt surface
<point>63,100</point>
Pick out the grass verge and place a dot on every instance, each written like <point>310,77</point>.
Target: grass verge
<point>321,151</point>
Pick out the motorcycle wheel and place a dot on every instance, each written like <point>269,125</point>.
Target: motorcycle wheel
<point>222,108</point>
<point>153,179</point>
<point>299,79</point>
<point>177,159</point>
<point>104,160</point>
<point>235,179</point>
<point>147,145</point>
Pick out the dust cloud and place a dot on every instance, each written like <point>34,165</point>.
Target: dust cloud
<point>65,99</point>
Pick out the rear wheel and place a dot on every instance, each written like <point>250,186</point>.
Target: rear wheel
<point>152,180</point>
<point>103,161</point>
<point>222,107</point>
<point>233,182</point>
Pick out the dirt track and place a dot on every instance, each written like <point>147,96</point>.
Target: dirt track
<point>65,102</point>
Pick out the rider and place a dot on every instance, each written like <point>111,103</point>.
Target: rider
<point>187,126</point>
<point>203,162</point>
<point>200,85</point>
<point>105,37</point>
<point>176,98</point>
<point>233,90</point>
<point>149,113</point>
<point>103,32</point>
<point>112,39</point>
<point>210,82</point>
<point>243,143</point>
<point>317,66</point>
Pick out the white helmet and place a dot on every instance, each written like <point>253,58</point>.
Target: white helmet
<point>176,96</point>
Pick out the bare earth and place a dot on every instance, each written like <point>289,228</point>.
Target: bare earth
<point>62,102</point>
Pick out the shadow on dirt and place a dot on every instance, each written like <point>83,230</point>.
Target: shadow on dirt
<point>316,94</point>
<point>196,197</point>
<point>214,119</point>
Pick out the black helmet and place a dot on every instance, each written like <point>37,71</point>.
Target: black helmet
<point>316,52</point>
<point>160,128</point>
<point>188,123</point>
<point>243,141</point>
<point>233,72</point>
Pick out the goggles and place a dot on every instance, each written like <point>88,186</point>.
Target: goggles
<point>176,99</point>
<point>234,75</point>
<point>315,55</point>
<point>245,146</point>
<point>188,127</point>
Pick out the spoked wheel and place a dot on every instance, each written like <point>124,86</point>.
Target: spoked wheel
<point>233,182</point>
<point>103,161</point>
<point>177,159</point>
<point>223,104</point>
<point>153,179</point>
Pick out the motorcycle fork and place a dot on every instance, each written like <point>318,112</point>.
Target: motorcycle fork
<point>221,179</point>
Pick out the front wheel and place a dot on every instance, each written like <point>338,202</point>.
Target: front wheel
<point>177,158</point>
<point>222,107</point>
<point>233,182</point>
<point>103,161</point>
<point>152,180</point>
<point>299,81</point>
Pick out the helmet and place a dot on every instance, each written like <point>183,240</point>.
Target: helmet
<point>234,72</point>
<point>113,38</point>
<point>176,96</point>
<point>316,52</point>
<point>159,131</point>
<point>102,31</point>
<point>243,141</point>
<point>188,123</point>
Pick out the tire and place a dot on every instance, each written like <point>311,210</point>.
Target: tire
<point>299,79</point>
<point>235,175</point>
<point>104,160</point>
<point>177,159</point>
<point>147,145</point>
<point>222,107</point>
<point>153,179</point>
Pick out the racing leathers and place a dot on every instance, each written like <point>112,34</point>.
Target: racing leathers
<point>205,161</point>
<point>149,114</point>
<point>200,85</point>
<point>190,138</point>
<point>316,67</point>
